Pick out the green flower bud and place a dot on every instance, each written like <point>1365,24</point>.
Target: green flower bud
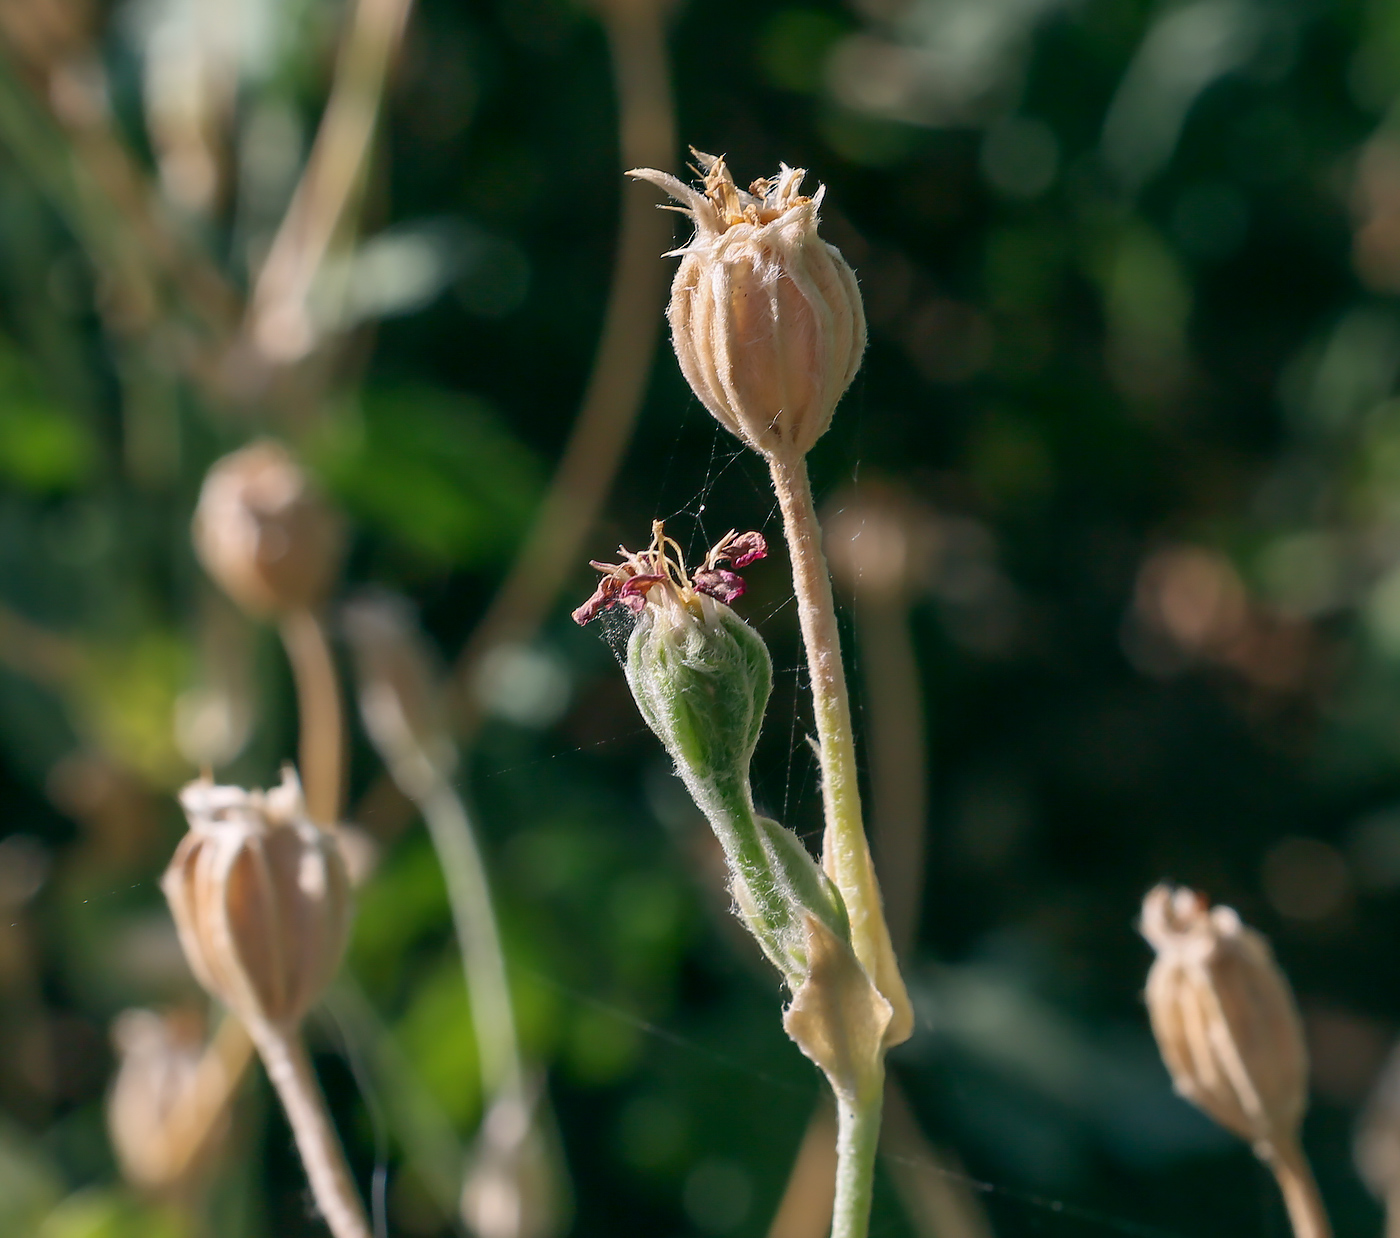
<point>701,677</point>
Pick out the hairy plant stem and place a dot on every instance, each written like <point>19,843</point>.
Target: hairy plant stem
<point>1306,1212</point>
<point>845,852</point>
<point>727,803</point>
<point>321,745</point>
<point>857,1142</point>
<point>289,1069</point>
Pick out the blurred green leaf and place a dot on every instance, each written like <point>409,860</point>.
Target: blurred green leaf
<point>29,1186</point>
<point>43,446</point>
<point>439,473</point>
<point>94,1213</point>
<point>794,46</point>
<point>437,1036</point>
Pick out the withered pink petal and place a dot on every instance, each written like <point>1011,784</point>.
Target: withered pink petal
<point>724,586</point>
<point>636,588</point>
<point>603,596</point>
<point>747,548</point>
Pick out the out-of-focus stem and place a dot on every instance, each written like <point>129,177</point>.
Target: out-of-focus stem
<point>279,324</point>
<point>322,724</point>
<point>898,790</point>
<point>935,1198</point>
<point>474,917</point>
<point>845,852</point>
<point>806,1206</point>
<point>1306,1212</point>
<point>89,174</point>
<point>429,1141</point>
<point>289,1069</point>
<point>857,1142</point>
<point>593,454</point>
<point>220,1071</point>
<point>37,654</point>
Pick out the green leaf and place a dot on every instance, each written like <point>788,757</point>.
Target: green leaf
<point>439,473</point>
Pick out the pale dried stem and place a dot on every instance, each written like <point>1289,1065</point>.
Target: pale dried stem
<point>845,852</point>
<point>289,1069</point>
<point>279,325</point>
<point>1392,1215</point>
<point>320,712</point>
<point>110,203</point>
<point>1306,1213</point>
<point>600,435</point>
<point>425,1132</point>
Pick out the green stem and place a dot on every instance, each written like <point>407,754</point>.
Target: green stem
<point>478,934</point>
<point>857,1142</point>
<point>728,806</point>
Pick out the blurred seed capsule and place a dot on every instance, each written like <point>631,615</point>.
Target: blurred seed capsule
<point>514,1185</point>
<point>264,534</point>
<point>261,899</point>
<point>766,317</point>
<point>1377,1149</point>
<point>1225,1019</point>
<point>165,1113</point>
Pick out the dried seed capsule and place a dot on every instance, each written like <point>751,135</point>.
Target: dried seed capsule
<point>1377,1148</point>
<point>160,1130</point>
<point>261,900</point>
<point>766,317</point>
<point>264,534</point>
<point>1225,1019</point>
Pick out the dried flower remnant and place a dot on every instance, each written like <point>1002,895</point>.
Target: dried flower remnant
<point>261,902</point>
<point>264,534</point>
<point>1230,1035</point>
<point>1377,1147</point>
<point>628,583</point>
<point>260,898</point>
<point>159,1133</point>
<point>766,318</point>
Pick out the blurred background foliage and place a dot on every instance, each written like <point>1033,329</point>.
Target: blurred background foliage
<point>1130,270</point>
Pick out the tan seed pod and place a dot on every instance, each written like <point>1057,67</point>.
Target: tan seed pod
<point>1377,1147</point>
<point>1225,1019</point>
<point>264,534</point>
<point>261,900</point>
<point>149,1106</point>
<point>766,317</point>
